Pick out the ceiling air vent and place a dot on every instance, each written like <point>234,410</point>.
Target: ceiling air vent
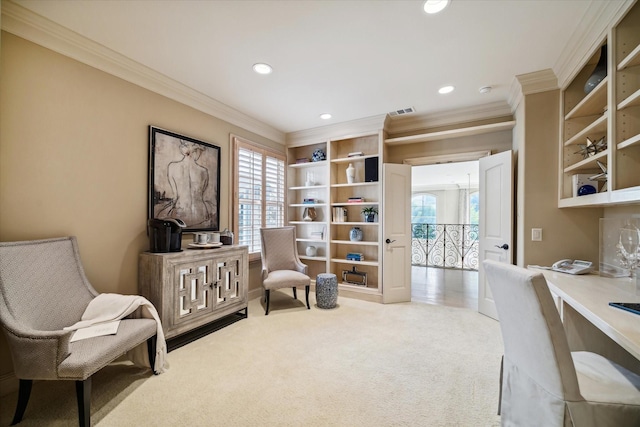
<point>402,112</point>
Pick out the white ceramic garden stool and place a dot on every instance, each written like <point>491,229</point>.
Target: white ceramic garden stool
<point>326,290</point>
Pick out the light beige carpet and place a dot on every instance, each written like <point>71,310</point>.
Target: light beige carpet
<point>360,364</point>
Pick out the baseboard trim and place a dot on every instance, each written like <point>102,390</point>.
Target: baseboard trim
<point>8,384</point>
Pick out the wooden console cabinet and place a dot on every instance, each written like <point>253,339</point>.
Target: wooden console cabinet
<point>194,287</point>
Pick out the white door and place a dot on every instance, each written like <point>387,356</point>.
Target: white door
<point>396,233</point>
<point>496,221</point>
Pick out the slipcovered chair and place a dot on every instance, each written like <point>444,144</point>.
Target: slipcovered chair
<point>281,266</point>
<point>543,382</point>
<point>43,289</point>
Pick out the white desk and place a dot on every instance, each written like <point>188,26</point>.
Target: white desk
<point>591,324</point>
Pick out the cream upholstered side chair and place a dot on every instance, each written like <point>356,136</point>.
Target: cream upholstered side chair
<point>43,289</point>
<point>281,266</point>
<point>544,383</point>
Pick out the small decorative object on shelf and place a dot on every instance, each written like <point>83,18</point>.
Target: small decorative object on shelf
<point>355,256</point>
<point>586,189</point>
<point>355,154</point>
<point>592,148</point>
<point>602,177</point>
<point>629,246</point>
<point>340,214</point>
<point>311,251</point>
<point>351,174</point>
<point>318,155</point>
<point>309,182</point>
<point>302,160</point>
<point>354,277</point>
<point>355,235</point>
<point>581,180</point>
<point>318,235</point>
<point>309,214</point>
<point>599,73</point>
<point>370,213</point>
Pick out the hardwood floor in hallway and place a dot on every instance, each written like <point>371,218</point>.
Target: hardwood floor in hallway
<point>443,286</point>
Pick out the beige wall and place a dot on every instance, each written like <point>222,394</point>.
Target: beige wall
<point>567,233</point>
<point>73,160</point>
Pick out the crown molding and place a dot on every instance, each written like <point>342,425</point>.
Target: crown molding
<point>30,26</point>
<point>515,96</point>
<point>588,36</point>
<point>462,115</point>
<point>529,83</point>
<point>350,129</point>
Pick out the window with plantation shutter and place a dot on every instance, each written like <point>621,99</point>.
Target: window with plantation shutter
<point>259,184</point>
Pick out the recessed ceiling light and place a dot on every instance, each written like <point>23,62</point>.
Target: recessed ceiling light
<point>435,6</point>
<point>446,89</point>
<point>325,116</point>
<point>262,68</point>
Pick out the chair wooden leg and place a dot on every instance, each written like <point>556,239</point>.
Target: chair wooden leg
<point>306,291</point>
<point>266,298</point>
<point>23,398</point>
<point>151,348</point>
<point>295,293</point>
<point>83,395</point>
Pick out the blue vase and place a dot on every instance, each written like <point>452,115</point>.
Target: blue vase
<point>355,235</point>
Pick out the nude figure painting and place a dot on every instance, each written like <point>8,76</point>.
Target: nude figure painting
<point>184,180</point>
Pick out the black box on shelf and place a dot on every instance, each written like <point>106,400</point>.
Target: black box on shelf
<point>371,169</point>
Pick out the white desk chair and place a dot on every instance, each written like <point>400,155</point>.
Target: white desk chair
<point>544,383</point>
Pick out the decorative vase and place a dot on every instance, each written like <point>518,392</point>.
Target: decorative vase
<point>369,217</point>
<point>355,235</point>
<point>309,214</point>
<point>599,73</point>
<point>311,251</point>
<point>318,155</point>
<point>351,174</point>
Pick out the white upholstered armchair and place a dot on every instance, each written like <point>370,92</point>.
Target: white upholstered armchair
<point>281,266</point>
<point>544,383</point>
<point>43,289</point>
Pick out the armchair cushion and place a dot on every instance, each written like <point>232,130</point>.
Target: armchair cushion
<point>88,356</point>
<point>285,279</point>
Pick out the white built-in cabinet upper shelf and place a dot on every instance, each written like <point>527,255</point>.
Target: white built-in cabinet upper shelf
<point>453,133</point>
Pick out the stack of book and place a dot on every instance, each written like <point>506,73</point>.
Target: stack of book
<point>310,201</point>
<point>355,199</point>
<point>355,256</point>
<point>339,214</point>
<point>355,154</point>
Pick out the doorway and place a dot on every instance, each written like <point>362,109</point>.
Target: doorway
<point>444,221</point>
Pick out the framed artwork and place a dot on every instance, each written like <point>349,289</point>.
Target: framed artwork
<point>184,180</point>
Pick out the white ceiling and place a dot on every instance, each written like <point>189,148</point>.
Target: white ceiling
<point>354,59</point>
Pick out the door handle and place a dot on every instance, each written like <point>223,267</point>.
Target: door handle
<point>389,241</point>
<point>504,246</point>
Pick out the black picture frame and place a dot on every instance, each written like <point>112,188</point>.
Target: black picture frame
<point>184,180</point>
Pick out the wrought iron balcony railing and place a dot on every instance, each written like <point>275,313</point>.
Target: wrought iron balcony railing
<point>445,245</point>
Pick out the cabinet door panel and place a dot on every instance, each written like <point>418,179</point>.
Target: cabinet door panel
<point>228,282</point>
<point>193,291</point>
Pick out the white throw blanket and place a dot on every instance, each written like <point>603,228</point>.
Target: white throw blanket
<point>109,307</point>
